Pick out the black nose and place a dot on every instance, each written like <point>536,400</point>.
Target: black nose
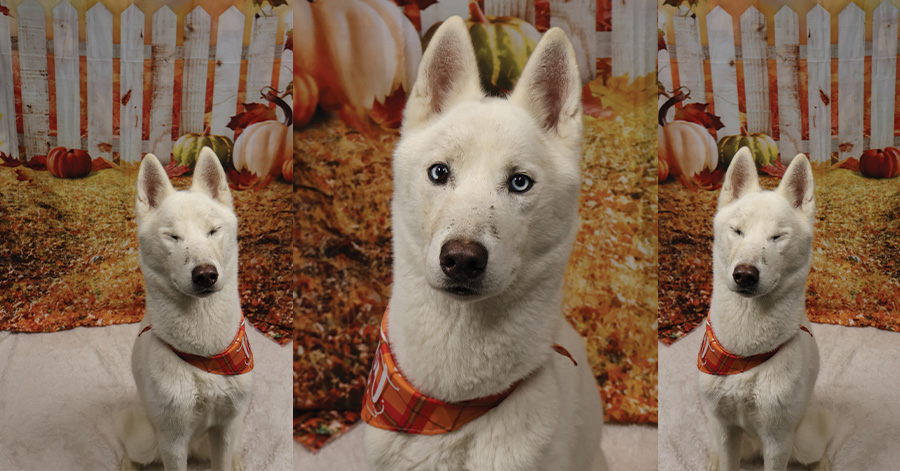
<point>746,276</point>
<point>463,260</point>
<point>204,276</point>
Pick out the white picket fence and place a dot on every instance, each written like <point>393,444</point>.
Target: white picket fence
<point>630,44</point>
<point>33,50</point>
<point>850,53</point>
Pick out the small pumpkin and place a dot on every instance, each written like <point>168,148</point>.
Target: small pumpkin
<point>762,147</point>
<point>264,147</point>
<point>306,96</point>
<point>68,163</point>
<point>663,170</point>
<point>187,148</point>
<point>502,47</point>
<point>687,148</point>
<point>287,170</point>
<point>877,163</point>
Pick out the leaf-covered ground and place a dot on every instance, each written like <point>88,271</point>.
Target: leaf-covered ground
<point>855,277</point>
<point>342,267</point>
<point>68,252</point>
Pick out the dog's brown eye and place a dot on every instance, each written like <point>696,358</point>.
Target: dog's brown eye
<point>438,173</point>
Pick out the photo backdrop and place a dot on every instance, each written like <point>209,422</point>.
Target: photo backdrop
<point>788,77</point>
<point>108,82</point>
<point>350,94</point>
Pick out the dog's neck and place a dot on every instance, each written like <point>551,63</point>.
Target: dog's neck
<point>750,326</point>
<point>455,351</point>
<point>195,325</point>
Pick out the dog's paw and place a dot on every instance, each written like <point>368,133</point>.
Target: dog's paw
<point>237,462</point>
<point>823,465</point>
<point>128,465</point>
<point>712,461</point>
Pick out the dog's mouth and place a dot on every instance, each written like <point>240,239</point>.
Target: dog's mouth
<point>461,291</point>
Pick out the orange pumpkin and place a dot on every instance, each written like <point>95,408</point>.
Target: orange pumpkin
<point>663,171</point>
<point>877,163</point>
<point>358,51</point>
<point>263,147</point>
<point>306,96</point>
<point>686,147</point>
<point>68,163</point>
<point>287,170</point>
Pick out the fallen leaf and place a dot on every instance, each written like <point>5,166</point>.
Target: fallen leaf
<point>774,170</point>
<point>174,169</point>
<point>38,162</point>
<point>100,163</point>
<point>850,163</point>
<point>4,10</point>
<point>390,113</point>
<point>696,113</point>
<point>253,113</point>
<point>22,176</point>
<point>8,161</point>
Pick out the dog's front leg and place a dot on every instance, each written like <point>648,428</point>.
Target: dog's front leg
<point>173,446</point>
<point>223,441</point>
<point>776,449</point>
<point>726,446</point>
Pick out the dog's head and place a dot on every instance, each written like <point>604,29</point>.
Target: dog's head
<point>188,239</point>
<point>763,238</point>
<point>486,189</point>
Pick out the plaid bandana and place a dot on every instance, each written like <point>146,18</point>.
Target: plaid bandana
<point>237,359</point>
<point>713,359</point>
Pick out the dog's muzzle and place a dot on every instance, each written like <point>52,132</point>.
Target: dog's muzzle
<point>463,263</point>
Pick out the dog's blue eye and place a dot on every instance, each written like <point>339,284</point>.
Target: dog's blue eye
<point>438,173</point>
<point>520,183</point>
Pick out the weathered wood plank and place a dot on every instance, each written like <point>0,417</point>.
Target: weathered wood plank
<point>519,8</point>
<point>723,70</point>
<point>286,74</point>
<point>818,51</point>
<point>787,63</point>
<point>690,55</point>
<point>131,79</point>
<point>884,74</point>
<point>68,90</point>
<point>578,19</point>
<point>633,38</point>
<point>33,73</point>
<point>9,136</point>
<point>229,44</point>
<point>756,71</point>
<point>99,28</point>
<point>196,60</point>
<point>440,11</point>
<point>261,54</point>
<point>162,93</point>
<point>851,66</point>
<point>664,67</point>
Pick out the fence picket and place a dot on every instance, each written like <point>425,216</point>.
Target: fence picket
<point>756,71</point>
<point>261,54</point>
<point>131,78</point>
<point>162,93</point>
<point>519,8</point>
<point>440,11</point>
<point>99,80</point>
<point>68,92</point>
<point>884,74</point>
<point>632,38</point>
<point>9,136</point>
<point>229,44</point>
<point>664,66</point>
<point>690,56</point>
<point>33,74</point>
<point>196,60</point>
<point>818,64</point>
<point>286,74</point>
<point>578,19</point>
<point>723,70</point>
<point>787,63</point>
<point>851,34</point>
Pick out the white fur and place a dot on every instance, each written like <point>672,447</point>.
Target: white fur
<point>181,406</point>
<point>455,347</point>
<point>772,405</point>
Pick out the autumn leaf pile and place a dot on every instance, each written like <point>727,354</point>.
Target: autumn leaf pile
<point>69,252</point>
<point>855,275</point>
<point>342,262</point>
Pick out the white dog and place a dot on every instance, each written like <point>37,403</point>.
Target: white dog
<point>485,211</point>
<point>759,361</point>
<point>189,259</point>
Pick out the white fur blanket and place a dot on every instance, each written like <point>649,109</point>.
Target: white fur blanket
<point>60,393</point>
<point>858,381</point>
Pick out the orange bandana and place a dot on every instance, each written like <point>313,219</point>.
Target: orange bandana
<point>713,359</point>
<point>392,403</point>
<point>237,359</point>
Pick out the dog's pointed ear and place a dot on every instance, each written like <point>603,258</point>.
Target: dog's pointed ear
<point>798,187</point>
<point>740,178</point>
<point>209,178</point>
<point>153,185</point>
<point>550,87</point>
<point>448,74</point>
